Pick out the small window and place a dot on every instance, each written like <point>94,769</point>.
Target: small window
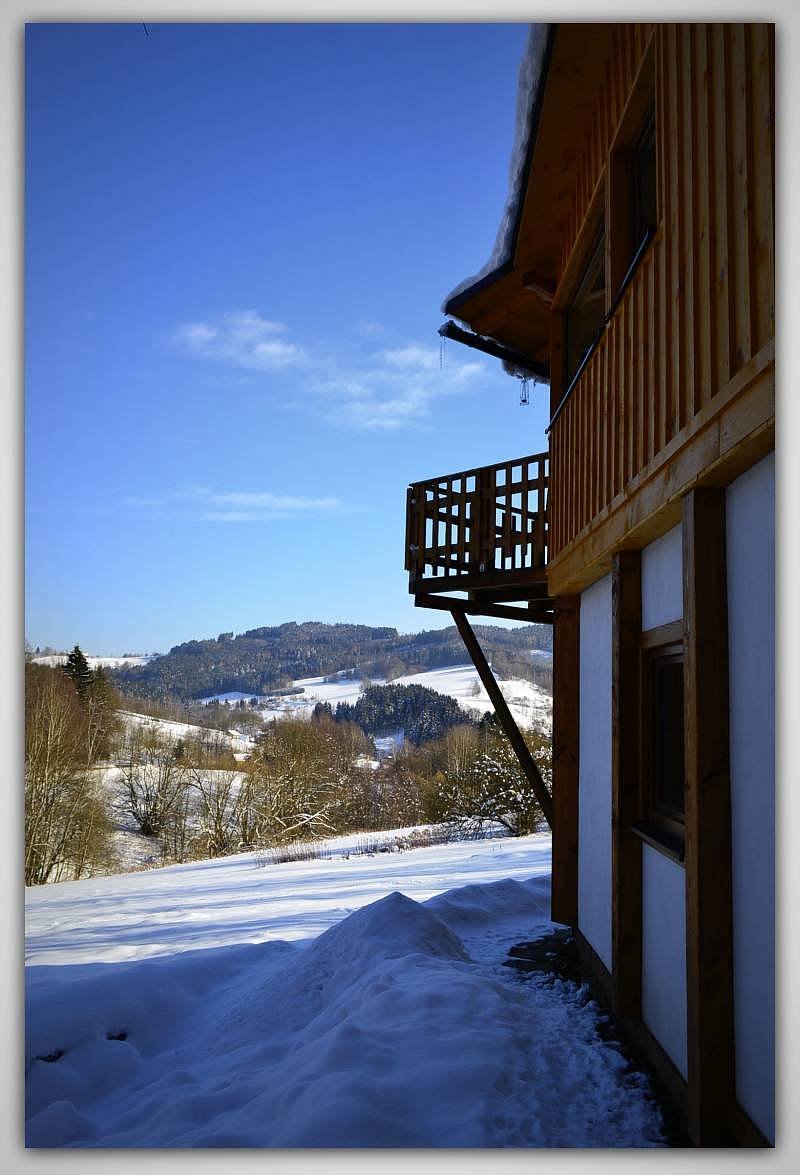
<point>663,744</point>
<point>587,310</point>
<point>643,182</point>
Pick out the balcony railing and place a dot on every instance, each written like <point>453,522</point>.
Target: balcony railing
<point>480,528</point>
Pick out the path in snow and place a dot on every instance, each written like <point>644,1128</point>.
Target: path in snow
<point>314,1005</point>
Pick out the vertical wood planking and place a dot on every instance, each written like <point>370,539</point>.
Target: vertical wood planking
<point>688,244</point>
<point>605,455</point>
<point>663,123</point>
<point>597,410</point>
<point>739,115</point>
<point>703,295</point>
<point>651,390</point>
<point>674,340</point>
<point>763,159</point>
<point>720,228</point>
<point>702,300</point>
<point>626,319</point>
<point>639,290</point>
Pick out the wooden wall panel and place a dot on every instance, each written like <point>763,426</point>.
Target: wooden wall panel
<point>701,304</point>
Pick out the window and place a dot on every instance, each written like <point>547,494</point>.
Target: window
<point>663,764</point>
<point>644,212</point>
<point>585,314</point>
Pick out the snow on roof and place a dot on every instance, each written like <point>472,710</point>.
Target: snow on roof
<point>530,74</point>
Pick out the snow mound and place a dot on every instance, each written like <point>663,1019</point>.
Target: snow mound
<point>383,1032</point>
<point>473,906</point>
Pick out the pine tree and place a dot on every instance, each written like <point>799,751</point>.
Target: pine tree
<point>77,668</point>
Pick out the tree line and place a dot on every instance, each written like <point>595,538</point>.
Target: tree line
<point>88,769</point>
<point>265,659</point>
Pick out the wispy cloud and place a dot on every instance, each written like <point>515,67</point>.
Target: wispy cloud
<point>370,330</point>
<point>365,388</point>
<point>412,358</point>
<point>243,339</point>
<point>395,388</point>
<point>200,503</point>
<point>134,500</point>
<point>275,501</point>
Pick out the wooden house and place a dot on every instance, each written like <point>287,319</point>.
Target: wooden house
<point>637,279</point>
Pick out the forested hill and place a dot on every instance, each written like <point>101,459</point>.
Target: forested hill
<point>265,659</point>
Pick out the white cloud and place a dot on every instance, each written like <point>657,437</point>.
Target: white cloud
<point>370,330</point>
<point>366,389</point>
<point>413,357</point>
<point>396,388</point>
<point>243,339</point>
<point>275,501</point>
<point>210,505</point>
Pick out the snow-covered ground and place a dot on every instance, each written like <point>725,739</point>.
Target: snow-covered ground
<point>234,739</point>
<point>93,662</point>
<point>531,706</point>
<point>329,1003</point>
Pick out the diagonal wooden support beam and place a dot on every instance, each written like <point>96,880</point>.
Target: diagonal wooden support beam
<point>504,715</point>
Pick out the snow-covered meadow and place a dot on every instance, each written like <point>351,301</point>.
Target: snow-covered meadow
<point>347,1001</point>
<point>531,706</point>
<point>96,662</point>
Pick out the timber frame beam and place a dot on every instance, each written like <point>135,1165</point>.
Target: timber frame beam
<point>709,930</point>
<point>534,611</point>
<point>626,851</point>
<point>504,715</point>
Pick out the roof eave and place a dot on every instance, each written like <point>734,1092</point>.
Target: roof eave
<point>457,301</point>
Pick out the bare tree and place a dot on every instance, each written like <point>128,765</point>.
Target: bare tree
<point>154,780</point>
<point>218,793</point>
<point>66,828</point>
<point>306,779</point>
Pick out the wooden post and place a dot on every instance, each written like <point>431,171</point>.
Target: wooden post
<point>709,950</point>
<point>626,851</point>
<point>566,747</point>
<point>504,715</point>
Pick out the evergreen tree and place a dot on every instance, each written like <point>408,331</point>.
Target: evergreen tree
<point>77,668</point>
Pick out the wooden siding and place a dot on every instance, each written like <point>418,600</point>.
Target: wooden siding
<point>630,43</point>
<point>699,310</point>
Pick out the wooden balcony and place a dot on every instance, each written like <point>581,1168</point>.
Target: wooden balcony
<point>483,532</point>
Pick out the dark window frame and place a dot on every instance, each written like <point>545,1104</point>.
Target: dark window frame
<point>662,822</point>
<point>644,183</point>
<point>586,290</point>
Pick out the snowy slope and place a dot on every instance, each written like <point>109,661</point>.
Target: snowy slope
<point>531,706</point>
<point>54,659</point>
<point>332,1003</point>
<point>175,731</point>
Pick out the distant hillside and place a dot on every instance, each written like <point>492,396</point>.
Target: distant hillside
<point>265,659</point>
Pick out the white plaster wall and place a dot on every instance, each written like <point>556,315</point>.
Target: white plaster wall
<point>594,776</point>
<point>664,953</point>
<point>663,881</point>
<point>662,580</point>
<point>750,519</point>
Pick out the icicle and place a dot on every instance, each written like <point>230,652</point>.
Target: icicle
<point>441,353</point>
<point>524,395</point>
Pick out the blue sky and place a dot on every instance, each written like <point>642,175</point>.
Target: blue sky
<point>238,239</point>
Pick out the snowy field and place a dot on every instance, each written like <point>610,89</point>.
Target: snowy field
<point>531,706</point>
<point>54,659</point>
<point>350,1001</point>
<point>234,739</point>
